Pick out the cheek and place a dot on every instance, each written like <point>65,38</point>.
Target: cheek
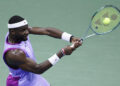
<point>18,35</point>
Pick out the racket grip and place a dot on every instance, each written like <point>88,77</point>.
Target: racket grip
<point>81,39</point>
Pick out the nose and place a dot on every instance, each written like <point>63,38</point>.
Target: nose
<point>26,32</point>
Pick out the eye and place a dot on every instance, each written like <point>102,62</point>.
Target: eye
<point>22,29</point>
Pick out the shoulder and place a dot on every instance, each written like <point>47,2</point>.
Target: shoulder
<point>15,52</point>
<point>16,56</point>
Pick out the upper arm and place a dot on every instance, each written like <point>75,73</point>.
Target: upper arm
<point>18,58</point>
<point>38,30</point>
<point>53,32</point>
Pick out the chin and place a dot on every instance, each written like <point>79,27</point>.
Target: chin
<point>25,39</point>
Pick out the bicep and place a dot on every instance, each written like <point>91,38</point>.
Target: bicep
<point>18,58</point>
<point>38,31</point>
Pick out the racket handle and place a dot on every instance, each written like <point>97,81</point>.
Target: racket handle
<point>81,39</point>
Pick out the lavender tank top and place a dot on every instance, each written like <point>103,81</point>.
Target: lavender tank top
<point>26,78</point>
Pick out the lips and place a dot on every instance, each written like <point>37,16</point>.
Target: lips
<point>25,37</point>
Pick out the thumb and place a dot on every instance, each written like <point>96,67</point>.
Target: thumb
<point>75,45</point>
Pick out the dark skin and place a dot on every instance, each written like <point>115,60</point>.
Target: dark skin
<point>17,59</point>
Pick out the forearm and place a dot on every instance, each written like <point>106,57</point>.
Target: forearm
<point>32,66</point>
<point>44,66</point>
<point>53,32</point>
<point>59,34</point>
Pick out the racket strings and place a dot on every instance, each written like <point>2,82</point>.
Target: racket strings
<point>113,19</point>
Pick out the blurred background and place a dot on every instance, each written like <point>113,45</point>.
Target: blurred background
<point>95,63</point>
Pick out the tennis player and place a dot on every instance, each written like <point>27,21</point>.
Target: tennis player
<point>19,56</point>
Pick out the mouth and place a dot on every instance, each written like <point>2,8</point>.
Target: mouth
<point>25,37</point>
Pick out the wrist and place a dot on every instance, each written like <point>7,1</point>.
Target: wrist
<point>71,38</point>
<point>54,59</point>
<point>66,36</point>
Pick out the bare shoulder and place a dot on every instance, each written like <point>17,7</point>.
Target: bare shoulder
<point>16,56</point>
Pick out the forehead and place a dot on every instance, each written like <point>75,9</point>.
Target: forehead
<point>23,27</point>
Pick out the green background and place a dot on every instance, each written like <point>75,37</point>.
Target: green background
<point>95,63</point>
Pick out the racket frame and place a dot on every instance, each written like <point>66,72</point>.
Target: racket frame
<point>85,36</point>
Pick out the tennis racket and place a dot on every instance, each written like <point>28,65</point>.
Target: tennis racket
<point>103,21</point>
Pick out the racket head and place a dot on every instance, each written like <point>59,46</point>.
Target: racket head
<point>108,11</point>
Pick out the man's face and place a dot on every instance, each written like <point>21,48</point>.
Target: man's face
<point>22,33</point>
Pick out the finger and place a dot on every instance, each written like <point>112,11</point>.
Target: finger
<point>73,45</point>
<point>77,40</point>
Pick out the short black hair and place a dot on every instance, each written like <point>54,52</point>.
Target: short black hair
<point>15,19</point>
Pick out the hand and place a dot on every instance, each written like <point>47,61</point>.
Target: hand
<point>69,49</point>
<point>75,39</point>
<point>76,45</point>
